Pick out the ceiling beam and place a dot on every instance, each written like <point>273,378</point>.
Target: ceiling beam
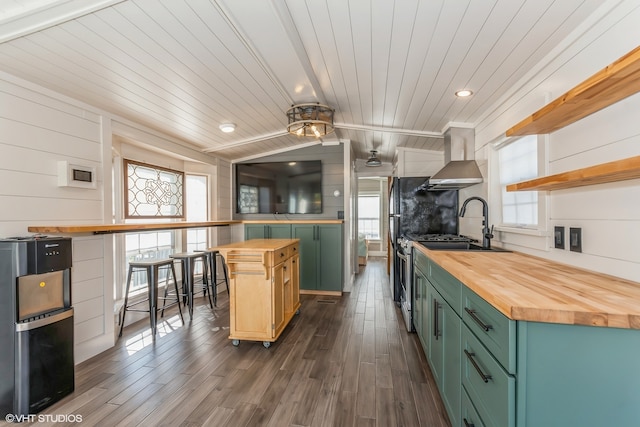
<point>41,18</point>
<point>348,126</point>
<point>283,14</point>
<point>395,131</point>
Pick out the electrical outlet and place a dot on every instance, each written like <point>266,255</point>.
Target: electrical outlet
<point>575,239</point>
<point>558,237</point>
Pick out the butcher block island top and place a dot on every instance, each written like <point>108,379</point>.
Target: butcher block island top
<point>258,244</point>
<point>525,287</point>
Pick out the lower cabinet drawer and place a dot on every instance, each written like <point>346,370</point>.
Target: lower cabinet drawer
<point>494,329</point>
<point>470,417</point>
<point>490,388</point>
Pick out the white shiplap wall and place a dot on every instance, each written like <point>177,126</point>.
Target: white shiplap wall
<point>38,127</point>
<point>607,213</point>
<point>38,130</point>
<point>413,162</point>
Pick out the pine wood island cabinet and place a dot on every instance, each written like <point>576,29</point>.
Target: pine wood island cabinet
<point>264,287</point>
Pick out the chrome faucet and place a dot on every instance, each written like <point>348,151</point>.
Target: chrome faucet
<point>487,234</point>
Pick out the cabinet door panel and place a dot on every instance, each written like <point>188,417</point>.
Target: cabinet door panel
<point>451,363</point>
<point>435,356</point>
<point>417,284</point>
<point>254,231</point>
<point>279,231</point>
<point>330,261</point>
<point>444,349</point>
<point>308,255</point>
<point>251,301</point>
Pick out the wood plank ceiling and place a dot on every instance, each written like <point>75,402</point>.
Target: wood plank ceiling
<point>183,67</point>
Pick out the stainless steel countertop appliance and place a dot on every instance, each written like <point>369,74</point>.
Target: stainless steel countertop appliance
<point>36,323</point>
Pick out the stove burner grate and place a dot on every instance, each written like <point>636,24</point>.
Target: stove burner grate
<point>438,238</point>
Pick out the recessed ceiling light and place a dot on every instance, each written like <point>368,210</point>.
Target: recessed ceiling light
<point>227,127</point>
<point>464,93</point>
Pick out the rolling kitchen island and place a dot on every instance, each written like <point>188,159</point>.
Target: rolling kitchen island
<point>264,287</point>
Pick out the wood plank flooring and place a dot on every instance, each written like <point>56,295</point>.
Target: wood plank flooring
<point>343,361</point>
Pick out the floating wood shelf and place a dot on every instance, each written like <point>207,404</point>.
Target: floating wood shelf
<point>608,86</point>
<point>619,170</point>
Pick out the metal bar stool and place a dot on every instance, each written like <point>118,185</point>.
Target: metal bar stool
<point>152,268</point>
<point>212,257</point>
<point>188,261</point>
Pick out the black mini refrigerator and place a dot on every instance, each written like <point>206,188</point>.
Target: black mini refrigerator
<point>36,323</point>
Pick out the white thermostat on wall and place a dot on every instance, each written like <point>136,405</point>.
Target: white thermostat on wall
<point>71,175</point>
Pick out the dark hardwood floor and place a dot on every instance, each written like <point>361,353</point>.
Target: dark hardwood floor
<point>343,361</point>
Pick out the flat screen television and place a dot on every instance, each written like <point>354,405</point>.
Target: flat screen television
<point>279,187</point>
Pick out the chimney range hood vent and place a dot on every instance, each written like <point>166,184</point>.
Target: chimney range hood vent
<point>460,169</point>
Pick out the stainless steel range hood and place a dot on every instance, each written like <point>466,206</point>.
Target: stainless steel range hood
<point>460,169</point>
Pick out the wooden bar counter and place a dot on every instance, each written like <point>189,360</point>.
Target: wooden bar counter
<point>264,287</point>
<point>124,228</point>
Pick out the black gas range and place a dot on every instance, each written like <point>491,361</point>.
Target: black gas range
<point>405,263</point>
<point>436,241</point>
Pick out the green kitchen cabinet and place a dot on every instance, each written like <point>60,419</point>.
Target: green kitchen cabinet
<point>574,375</point>
<point>419,313</point>
<point>267,231</point>
<point>493,371</point>
<point>421,309</point>
<point>444,352</point>
<point>320,256</point>
<point>438,326</point>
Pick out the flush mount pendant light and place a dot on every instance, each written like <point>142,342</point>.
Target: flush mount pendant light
<point>310,120</point>
<point>373,160</point>
<point>227,127</point>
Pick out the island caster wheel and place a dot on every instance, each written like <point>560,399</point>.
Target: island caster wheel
<point>298,311</point>
<point>266,344</point>
<point>235,342</point>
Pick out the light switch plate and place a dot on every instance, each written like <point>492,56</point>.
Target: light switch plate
<point>575,239</point>
<point>558,237</point>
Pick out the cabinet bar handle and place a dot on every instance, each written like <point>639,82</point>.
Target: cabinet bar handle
<point>484,376</point>
<point>466,423</point>
<point>480,323</point>
<point>435,318</point>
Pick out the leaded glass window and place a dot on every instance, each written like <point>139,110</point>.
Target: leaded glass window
<point>153,192</point>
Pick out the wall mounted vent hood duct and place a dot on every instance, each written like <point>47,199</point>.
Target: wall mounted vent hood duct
<point>460,169</point>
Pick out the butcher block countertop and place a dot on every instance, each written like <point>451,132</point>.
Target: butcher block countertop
<point>525,287</point>
<point>258,244</point>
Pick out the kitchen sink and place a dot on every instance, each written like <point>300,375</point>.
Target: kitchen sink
<point>459,246</point>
